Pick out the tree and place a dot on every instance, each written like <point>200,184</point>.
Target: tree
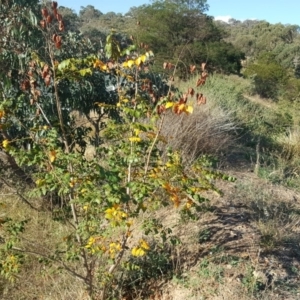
<point>88,13</point>
<point>254,37</point>
<point>268,76</point>
<point>170,30</point>
<point>177,32</point>
<point>200,5</point>
<point>220,56</point>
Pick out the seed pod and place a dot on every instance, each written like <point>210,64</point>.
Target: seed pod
<point>46,68</point>
<point>57,38</point>
<point>43,24</point>
<point>25,85</point>
<point>61,26</point>
<point>191,91</point>
<point>45,12</point>
<point>44,74</point>
<point>49,19</point>
<point>58,45</point>
<point>47,80</point>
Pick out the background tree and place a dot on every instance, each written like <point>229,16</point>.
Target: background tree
<point>254,37</point>
<point>200,5</point>
<point>88,13</point>
<point>268,75</point>
<point>177,32</point>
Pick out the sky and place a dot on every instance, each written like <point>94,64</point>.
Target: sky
<point>273,11</point>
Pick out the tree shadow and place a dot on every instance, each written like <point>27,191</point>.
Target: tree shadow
<point>235,232</point>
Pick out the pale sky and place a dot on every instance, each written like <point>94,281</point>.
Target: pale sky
<point>273,11</point>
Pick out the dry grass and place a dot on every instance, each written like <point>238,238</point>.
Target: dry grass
<point>245,238</point>
<point>40,238</point>
<point>209,130</point>
<point>291,142</point>
<point>246,248</point>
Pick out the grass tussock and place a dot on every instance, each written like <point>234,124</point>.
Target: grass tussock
<point>209,130</point>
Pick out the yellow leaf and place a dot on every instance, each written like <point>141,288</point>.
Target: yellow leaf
<point>109,213</point>
<point>138,61</point>
<point>5,144</point>
<point>137,252</point>
<point>189,204</point>
<point>189,109</point>
<point>134,251</point>
<point>128,64</point>
<point>52,156</point>
<point>144,245</point>
<point>181,107</point>
<point>39,182</point>
<point>91,241</point>
<point>100,64</point>
<point>135,139</point>
<point>137,131</point>
<point>2,113</point>
<point>72,183</point>
<point>129,223</point>
<point>143,58</point>
<point>169,104</point>
<point>149,54</point>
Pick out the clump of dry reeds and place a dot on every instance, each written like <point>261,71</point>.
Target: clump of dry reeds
<point>208,130</point>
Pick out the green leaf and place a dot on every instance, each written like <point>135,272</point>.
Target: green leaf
<point>85,72</point>
<point>64,65</point>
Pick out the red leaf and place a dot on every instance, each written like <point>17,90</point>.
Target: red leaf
<point>47,80</point>
<point>191,92</point>
<point>49,19</point>
<point>160,109</point>
<point>192,68</point>
<point>45,12</point>
<point>61,26</point>
<point>43,24</point>
<point>201,99</point>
